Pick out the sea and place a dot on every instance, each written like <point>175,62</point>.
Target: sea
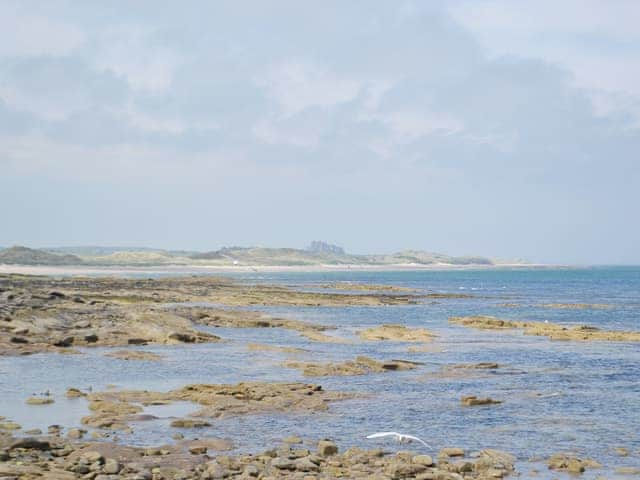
<point>581,398</point>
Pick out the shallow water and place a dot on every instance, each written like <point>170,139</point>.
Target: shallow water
<point>558,396</point>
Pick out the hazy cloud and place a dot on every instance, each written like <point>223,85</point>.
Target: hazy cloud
<point>379,125</point>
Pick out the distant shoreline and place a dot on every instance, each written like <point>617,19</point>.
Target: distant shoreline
<point>53,270</point>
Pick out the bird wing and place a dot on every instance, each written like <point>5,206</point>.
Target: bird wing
<point>411,437</point>
<point>382,434</point>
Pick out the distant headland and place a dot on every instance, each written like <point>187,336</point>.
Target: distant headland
<point>317,254</point>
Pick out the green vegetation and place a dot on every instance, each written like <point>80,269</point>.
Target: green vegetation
<point>29,256</point>
<point>318,253</point>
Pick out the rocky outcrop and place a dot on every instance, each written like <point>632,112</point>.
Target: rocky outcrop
<point>217,317</point>
<point>115,409</point>
<point>396,333</point>
<point>360,366</point>
<point>547,329</point>
<point>42,314</point>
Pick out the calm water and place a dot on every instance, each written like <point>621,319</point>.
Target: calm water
<point>558,396</point>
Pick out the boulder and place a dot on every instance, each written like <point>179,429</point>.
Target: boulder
<point>64,342</point>
<point>30,444</point>
<point>451,452</point>
<point>198,449</point>
<point>76,433</point>
<point>425,460</point>
<point>327,448</point>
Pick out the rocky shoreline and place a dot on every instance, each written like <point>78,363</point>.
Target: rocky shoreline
<point>56,458</point>
<point>45,315</point>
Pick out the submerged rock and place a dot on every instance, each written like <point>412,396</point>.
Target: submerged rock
<point>480,366</point>
<point>134,355</point>
<point>261,347</point>
<point>360,366</point>
<point>189,423</point>
<point>577,306</point>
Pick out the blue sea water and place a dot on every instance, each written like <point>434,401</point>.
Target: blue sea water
<point>557,396</point>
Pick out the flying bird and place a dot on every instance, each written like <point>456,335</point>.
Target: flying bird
<point>399,437</point>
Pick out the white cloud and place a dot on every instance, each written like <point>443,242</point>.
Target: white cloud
<point>131,52</point>
<point>408,125</point>
<point>25,30</point>
<point>596,40</point>
<point>54,87</point>
<point>296,85</point>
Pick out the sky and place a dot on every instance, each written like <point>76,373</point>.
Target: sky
<point>499,128</point>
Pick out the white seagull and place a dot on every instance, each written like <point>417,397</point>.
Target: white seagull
<point>399,437</point>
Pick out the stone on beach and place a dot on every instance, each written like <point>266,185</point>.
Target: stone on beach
<point>55,459</point>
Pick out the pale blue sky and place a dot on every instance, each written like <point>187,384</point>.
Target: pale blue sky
<point>500,128</point>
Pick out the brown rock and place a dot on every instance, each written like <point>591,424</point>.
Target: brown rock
<point>547,329</point>
<point>64,342</point>
<point>198,449</point>
<point>398,333</point>
<point>327,448</point>
<point>39,401</point>
<point>31,444</point>
<point>472,400</point>
<point>570,463</point>
<point>451,452</point>
<point>74,393</point>
<point>425,460</point>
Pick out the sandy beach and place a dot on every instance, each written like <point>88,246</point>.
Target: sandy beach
<point>231,269</point>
